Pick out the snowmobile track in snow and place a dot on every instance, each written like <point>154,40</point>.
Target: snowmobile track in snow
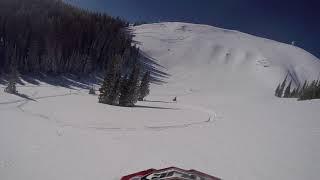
<point>211,119</point>
<point>23,103</point>
<point>36,98</point>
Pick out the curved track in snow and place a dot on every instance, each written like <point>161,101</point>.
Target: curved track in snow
<point>211,118</point>
<point>36,98</point>
<point>23,104</point>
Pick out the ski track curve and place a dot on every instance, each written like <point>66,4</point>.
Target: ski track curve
<point>26,101</point>
<point>212,116</point>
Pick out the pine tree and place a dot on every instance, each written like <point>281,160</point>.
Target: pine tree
<point>318,90</point>
<point>103,91</point>
<point>134,85</point>
<point>129,88</point>
<point>92,90</point>
<point>124,92</point>
<point>13,77</point>
<point>301,89</point>
<point>144,87</point>
<point>115,93</point>
<point>283,85</point>
<point>109,84</point>
<point>305,85</point>
<point>297,92</point>
<point>277,92</point>
<point>293,93</point>
<point>305,91</point>
<point>314,89</point>
<point>33,56</point>
<point>287,92</point>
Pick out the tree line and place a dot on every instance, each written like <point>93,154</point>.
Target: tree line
<point>51,36</point>
<point>309,90</point>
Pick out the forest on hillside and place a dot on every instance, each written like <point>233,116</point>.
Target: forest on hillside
<point>51,36</point>
<point>309,90</point>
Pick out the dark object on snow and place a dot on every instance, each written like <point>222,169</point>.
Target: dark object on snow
<point>169,173</point>
<point>13,77</point>
<point>175,99</point>
<point>11,88</point>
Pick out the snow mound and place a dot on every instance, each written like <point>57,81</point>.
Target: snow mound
<point>232,59</point>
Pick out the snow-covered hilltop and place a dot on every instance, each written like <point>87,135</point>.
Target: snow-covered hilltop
<point>224,56</point>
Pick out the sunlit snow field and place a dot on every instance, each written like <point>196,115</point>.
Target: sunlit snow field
<point>226,121</point>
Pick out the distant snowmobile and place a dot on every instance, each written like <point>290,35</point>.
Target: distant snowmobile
<point>175,99</point>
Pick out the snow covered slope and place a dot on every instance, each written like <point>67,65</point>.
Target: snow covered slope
<point>226,122</point>
<point>205,55</point>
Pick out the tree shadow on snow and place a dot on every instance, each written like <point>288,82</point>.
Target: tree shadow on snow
<point>159,101</point>
<point>155,107</point>
<point>158,74</point>
<point>24,96</point>
<point>69,81</point>
<point>86,81</point>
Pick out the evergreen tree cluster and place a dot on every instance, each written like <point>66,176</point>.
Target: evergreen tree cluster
<point>51,36</point>
<point>122,88</point>
<point>310,90</point>
<point>306,92</point>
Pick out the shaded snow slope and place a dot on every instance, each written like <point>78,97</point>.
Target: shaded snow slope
<point>229,59</point>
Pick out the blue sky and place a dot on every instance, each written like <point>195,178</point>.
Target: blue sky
<point>281,20</point>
